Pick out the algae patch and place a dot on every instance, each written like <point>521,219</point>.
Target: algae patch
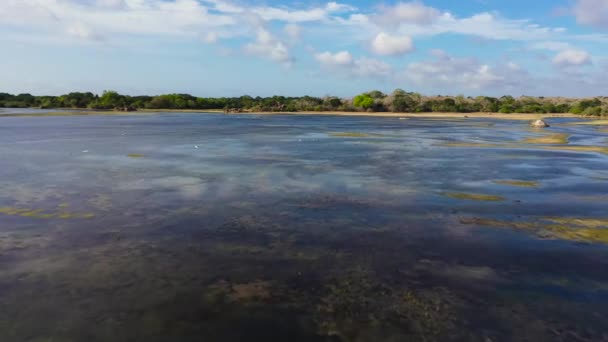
<point>593,123</point>
<point>588,230</point>
<point>555,147</point>
<point>350,135</point>
<point>518,183</point>
<point>41,214</point>
<point>135,155</point>
<point>553,139</point>
<point>474,197</point>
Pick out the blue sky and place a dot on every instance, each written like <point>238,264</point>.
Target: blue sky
<point>231,48</point>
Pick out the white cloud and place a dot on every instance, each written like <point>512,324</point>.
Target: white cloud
<point>572,57</point>
<point>384,44</point>
<point>407,13</point>
<point>451,73</point>
<point>328,59</point>
<point>269,47</point>
<point>591,12</point>
<point>293,31</point>
<point>551,45</point>
<point>369,67</point>
<point>82,31</point>
<point>344,63</point>
<point>338,7</point>
<point>111,3</point>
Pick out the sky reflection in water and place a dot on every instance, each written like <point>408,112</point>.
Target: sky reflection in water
<point>182,227</point>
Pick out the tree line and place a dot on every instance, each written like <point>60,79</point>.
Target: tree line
<point>399,101</point>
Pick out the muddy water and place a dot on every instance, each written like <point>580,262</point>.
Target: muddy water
<point>182,227</point>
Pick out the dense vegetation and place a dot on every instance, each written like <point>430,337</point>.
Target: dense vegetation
<point>374,101</point>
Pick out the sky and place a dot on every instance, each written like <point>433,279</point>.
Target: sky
<point>294,48</point>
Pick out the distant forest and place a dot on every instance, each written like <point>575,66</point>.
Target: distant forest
<point>399,101</point>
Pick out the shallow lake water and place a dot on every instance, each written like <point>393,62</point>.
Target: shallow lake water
<point>207,227</point>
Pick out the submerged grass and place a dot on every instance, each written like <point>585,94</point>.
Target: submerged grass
<point>557,139</point>
<point>350,135</point>
<point>519,183</point>
<point>589,230</point>
<point>567,148</point>
<point>474,197</point>
<point>593,123</point>
<point>41,214</point>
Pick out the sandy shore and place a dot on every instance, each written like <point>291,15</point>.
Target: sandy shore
<point>513,116</point>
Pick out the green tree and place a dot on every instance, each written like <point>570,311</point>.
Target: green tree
<point>363,101</point>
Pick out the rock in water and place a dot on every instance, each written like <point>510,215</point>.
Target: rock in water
<point>539,124</point>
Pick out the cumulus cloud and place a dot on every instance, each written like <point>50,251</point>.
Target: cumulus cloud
<point>328,59</point>
<point>266,45</point>
<point>344,63</point>
<point>387,45</point>
<point>369,67</point>
<point>591,12</point>
<point>462,73</point>
<point>572,57</point>
<point>338,7</point>
<point>293,31</point>
<point>407,13</point>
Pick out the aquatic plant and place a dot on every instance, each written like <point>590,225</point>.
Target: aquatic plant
<point>135,155</point>
<point>591,230</point>
<point>41,214</point>
<point>519,183</point>
<point>553,139</point>
<point>573,148</point>
<point>350,135</point>
<point>474,197</point>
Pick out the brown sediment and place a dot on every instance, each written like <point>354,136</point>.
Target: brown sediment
<point>249,291</point>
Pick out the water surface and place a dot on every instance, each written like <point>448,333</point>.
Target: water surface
<point>190,227</point>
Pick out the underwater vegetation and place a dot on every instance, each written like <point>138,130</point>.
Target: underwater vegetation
<point>135,155</point>
<point>593,123</point>
<point>591,230</point>
<point>518,183</point>
<point>474,197</point>
<point>42,214</point>
<point>573,148</point>
<point>350,135</point>
<point>561,138</point>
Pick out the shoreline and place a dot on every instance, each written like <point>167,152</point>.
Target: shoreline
<point>437,115</point>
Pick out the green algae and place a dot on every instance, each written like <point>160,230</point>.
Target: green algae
<point>593,123</point>
<point>135,155</point>
<point>553,139</point>
<point>350,135</point>
<point>588,230</point>
<point>518,183</point>
<point>567,148</point>
<point>41,214</point>
<point>580,222</point>
<point>474,197</point>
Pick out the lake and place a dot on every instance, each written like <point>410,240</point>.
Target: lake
<point>191,227</point>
